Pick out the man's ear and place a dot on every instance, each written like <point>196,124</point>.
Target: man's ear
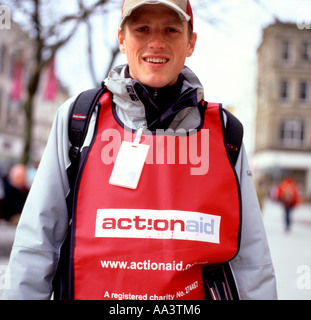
<point>191,45</point>
<point>121,40</point>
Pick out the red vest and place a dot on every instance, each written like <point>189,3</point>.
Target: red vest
<point>152,242</point>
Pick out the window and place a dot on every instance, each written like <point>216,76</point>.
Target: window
<point>306,51</point>
<point>284,90</point>
<point>285,48</point>
<point>292,133</point>
<point>303,92</point>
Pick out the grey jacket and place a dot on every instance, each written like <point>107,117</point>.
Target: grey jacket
<point>43,224</point>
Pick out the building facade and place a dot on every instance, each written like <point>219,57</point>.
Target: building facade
<point>16,61</point>
<point>283,119</point>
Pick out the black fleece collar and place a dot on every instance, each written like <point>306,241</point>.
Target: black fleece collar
<point>162,105</point>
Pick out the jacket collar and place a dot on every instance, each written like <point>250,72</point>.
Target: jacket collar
<point>138,105</point>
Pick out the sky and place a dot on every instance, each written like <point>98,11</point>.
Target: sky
<point>224,58</point>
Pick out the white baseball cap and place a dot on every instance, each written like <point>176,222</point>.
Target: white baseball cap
<point>182,7</point>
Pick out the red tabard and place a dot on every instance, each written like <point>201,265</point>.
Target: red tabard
<point>152,242</point>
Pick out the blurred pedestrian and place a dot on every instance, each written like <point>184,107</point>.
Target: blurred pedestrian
<point>287,192</point>
<point>15,192</point>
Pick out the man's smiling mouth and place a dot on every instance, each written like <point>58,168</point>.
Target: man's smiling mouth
<point>156,60</point>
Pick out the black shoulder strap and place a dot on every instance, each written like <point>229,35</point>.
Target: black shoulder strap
<point>79,120</point>
<point>80,117</point>
<point>234,131</point>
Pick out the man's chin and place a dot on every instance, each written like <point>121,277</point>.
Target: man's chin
<point>157,83</point>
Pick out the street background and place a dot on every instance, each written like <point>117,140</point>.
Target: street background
<point>290,251</point>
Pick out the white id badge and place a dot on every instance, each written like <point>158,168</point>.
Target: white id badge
<point>129,165</point>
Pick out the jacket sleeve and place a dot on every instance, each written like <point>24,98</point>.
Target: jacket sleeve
<point>44,220</point>
<point>252,266</point>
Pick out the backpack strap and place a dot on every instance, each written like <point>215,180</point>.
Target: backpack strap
<point>80,116</point>
<point>234,132</point>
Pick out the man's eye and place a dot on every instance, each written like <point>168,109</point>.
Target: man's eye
<point>172,30</point>
<point>141,29</point>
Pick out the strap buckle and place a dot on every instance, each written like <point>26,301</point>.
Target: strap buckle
<point>74,153</point>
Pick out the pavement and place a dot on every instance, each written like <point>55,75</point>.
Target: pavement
<point>7,233</point>
<point>290,251</point>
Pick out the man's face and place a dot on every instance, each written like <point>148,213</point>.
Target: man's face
<point>156,43</point>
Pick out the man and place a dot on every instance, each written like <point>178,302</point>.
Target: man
<point>150,214</point>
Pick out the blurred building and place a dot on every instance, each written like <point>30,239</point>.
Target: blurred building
<point>283,120</point>
<point>16,60</point>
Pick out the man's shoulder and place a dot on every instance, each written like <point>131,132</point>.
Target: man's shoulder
<point>63,111</point>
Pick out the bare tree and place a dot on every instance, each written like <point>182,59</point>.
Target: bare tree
<point>50,30</point>
<point>113,47</point>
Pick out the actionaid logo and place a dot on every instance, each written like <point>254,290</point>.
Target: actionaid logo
<point>166,147</point>
<point>157,224</point>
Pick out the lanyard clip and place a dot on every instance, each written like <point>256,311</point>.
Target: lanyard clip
<point>139,134</point>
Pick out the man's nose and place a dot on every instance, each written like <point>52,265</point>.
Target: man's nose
<point>156,41</point>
